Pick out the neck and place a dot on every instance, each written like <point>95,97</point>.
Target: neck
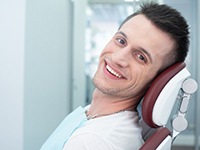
<point>106,104</point>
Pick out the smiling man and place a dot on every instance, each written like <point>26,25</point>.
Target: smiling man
<point>132,58</point>
<point>146,43</point>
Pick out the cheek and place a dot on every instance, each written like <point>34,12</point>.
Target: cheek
<point>136,77</point>
<point>149,77</point>
<point>141,76</point>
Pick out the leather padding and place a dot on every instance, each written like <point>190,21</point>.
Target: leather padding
<point>154,90</point>
<point>156,139</point>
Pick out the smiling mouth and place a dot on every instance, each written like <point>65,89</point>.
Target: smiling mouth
<point>113,72</point>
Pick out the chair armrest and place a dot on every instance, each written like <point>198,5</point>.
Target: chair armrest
<point>156,139</point>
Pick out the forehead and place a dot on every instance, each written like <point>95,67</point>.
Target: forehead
<point>141,32</point>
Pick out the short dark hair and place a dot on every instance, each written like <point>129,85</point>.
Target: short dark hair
<point>170,21</point>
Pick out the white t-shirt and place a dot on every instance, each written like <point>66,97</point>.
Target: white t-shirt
<point>119,131</point>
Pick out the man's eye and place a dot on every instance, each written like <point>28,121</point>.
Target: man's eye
<point>142,58</point>
<point>121,41</point>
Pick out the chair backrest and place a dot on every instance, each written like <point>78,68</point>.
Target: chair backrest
<point>158,103</point>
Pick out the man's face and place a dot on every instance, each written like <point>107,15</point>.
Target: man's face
<point>132,58</point>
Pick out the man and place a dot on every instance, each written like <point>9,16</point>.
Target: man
<point>146,43</point>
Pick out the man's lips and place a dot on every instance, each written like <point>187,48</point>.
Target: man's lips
<point>113,72</point>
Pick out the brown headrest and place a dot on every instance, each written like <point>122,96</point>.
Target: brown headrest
<point>154,90</point>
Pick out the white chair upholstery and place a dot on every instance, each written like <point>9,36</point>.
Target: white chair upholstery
<point>158,103</point>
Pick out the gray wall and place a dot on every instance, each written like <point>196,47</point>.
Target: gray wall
<point>35,54</point>
<point>12,20</point>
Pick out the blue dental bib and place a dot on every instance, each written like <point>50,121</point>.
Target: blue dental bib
<point>59,137</point>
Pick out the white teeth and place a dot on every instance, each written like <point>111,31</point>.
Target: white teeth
<point>113,72</point>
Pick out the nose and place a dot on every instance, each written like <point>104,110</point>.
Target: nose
<point>121,57</point>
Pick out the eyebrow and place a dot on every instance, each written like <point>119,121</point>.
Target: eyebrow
<point>140,48</point>
<point>122,33</point>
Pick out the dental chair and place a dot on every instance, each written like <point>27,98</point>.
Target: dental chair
<point>170,86</point>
